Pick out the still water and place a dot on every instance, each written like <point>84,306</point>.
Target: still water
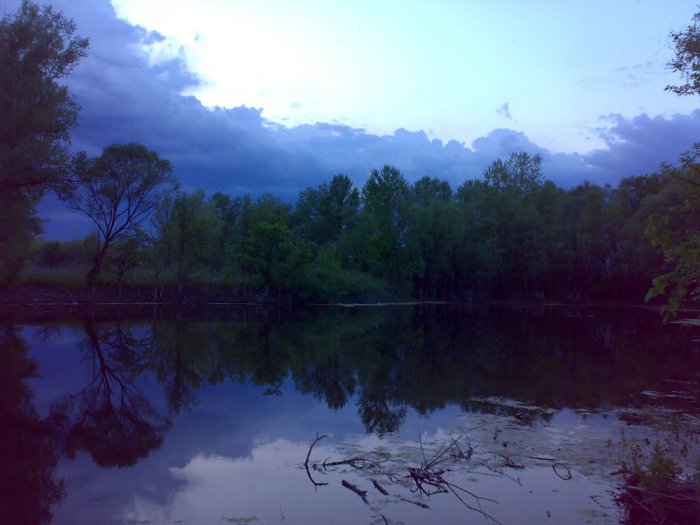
<point>430,414</point>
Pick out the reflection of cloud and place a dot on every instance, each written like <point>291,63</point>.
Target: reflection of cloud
<point>269,485</point>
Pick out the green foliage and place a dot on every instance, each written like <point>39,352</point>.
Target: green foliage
<point>521,171</point>
<point>126,254</point>
<point>676,231</point>
<point>658,473</point>
<point>434,239</point>
<point>659,491</point>
<point>322,215</point>
<point>510,235</point>
<point>686,45</point>
<point>37,49</point>
<point>386,198</point>
<point>328,281</point>
<point>18,227</point>
<point>189,230</point>
<point>265,251</point>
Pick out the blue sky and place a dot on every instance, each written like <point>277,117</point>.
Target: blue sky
<point>262,96</point>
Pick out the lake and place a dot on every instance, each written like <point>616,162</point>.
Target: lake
<point>406,414</point>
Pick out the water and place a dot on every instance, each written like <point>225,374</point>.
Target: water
<point>150,415</point>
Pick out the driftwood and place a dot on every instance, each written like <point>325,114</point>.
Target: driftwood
<point>357,490</point>
<point>379,487</point>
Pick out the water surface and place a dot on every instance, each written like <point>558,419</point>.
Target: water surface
<point>151,415</point>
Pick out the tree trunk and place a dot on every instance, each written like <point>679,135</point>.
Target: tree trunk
<point>91,276</point>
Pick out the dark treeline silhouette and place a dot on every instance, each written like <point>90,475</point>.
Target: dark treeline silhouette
<point>508,235</point>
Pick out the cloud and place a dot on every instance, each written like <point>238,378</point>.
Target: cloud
<point>124,97</point>
<point>504,111</point>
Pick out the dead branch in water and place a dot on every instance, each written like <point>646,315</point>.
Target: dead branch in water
<point>355,462</point>
<point>416,503</point>
<point>306,463</point>
<point>426,479</point>
<point>379,487</point>
<point>357,490</point>
<point>565,477</point>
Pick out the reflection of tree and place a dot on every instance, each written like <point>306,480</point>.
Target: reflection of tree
<point>28,450</point>
<point>426,358</point>
<point>378,415</point>
<point>330,381</point>
<point>110,419</point>
<point>185,356</point>
<point>260,353</point>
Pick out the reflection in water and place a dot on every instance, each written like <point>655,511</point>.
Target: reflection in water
<point>387,364</point>
<point>109,418</point>
<point>28,444</point>
<point>269,486</point>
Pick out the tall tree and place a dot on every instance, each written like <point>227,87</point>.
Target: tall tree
<point>386,197</point>
<point>322,215</point>
<point>676,230</point>
<point>189,229</point>
<point>117,191</point>
<point>507,217</point>
<point>38,47</point>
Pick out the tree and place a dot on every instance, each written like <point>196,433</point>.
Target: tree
<point>521,171</point>
<point>434,238</point>
<point>265,251</point>
<point>504,210</point>
<point>386,197</point>
<point>126,254</point>
<point>189,229</point>
<point>37,48</point>
<point>322,215</point>
<point>117,191</point>
<point>676,231</point>
<point>687,59</point>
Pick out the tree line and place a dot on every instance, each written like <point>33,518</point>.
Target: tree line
<point>508,234</point>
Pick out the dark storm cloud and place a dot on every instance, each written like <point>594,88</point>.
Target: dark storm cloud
<point>238,151</point>
<point>638,145</point>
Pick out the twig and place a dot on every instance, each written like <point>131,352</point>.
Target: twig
<point>357,490</point>
<point>355,462</point>
<point>416,503</point>
<point>565,477</point>
<point>507,462</point>
<point>475,509</point>
<point>306,463</point>
<point>540,458</point>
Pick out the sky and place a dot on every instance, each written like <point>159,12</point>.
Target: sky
<point>255,96</point>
